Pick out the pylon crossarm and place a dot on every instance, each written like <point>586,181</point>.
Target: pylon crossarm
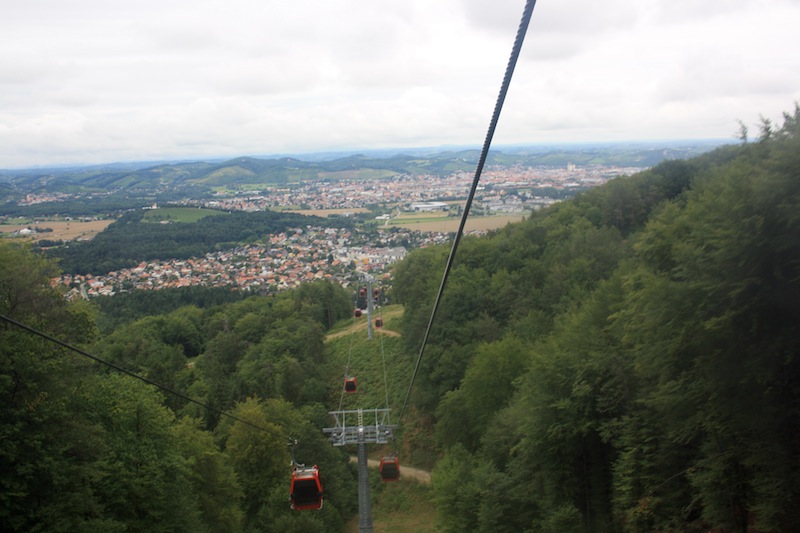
<point>369,426</point>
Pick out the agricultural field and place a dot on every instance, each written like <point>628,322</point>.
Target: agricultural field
<point>400,507</point>
<point>440,222</point>
<point>67,230</point>
<point>324,213</point>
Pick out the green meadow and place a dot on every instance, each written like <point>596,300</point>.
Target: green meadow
<point>179,214</point>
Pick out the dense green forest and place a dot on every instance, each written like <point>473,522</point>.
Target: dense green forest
<point>129,240</point>
<point>627,361</point>
<point>132,305</point>
<point>102,206</point>
<point>84,448</point>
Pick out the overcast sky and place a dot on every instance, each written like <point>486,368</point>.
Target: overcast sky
<point>91,81</point>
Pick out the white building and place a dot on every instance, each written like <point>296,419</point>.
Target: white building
<point>429,206</point>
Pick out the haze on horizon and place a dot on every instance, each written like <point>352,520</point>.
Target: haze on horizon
<point>90,81</point>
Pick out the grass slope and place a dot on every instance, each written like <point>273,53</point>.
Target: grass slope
<point>178,214</point>
<point>401,507</point>
<point>404,506</point>
<point>351,351</point>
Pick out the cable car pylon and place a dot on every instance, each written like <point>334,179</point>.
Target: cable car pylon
<point>369,280</point>
<point>361,427</point>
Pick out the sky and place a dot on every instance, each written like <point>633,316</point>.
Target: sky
<point>100,81</point>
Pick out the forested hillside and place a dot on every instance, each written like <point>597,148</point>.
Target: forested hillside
<point>84,448</point>
<point>627,361</point>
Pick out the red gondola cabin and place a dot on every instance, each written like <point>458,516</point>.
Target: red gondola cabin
<point>390,468</point>
<point>306,489</point>
<point>350,386</point>
<point>357,313</point>
<point>378,322</point>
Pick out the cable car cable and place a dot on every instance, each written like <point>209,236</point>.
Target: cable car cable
<point>515,51</point>
<point>385,378</point>
<point>383,351</point>
<point>349,356</point>
<point>122,370</point>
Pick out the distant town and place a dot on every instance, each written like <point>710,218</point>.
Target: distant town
<point>504,190</point>
<point>311,253</point>
<point>304,254</point>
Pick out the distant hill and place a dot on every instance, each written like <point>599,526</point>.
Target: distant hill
<point>199,177</point>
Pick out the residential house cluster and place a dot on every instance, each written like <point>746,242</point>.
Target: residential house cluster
<point>406,189</point>
<point>289,259</point>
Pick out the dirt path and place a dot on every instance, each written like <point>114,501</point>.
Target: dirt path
<point>422,476</point>
<point>360,324</point>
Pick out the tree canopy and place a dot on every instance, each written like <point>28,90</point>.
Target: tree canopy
<point>626,361</point>
<point>84,448</point>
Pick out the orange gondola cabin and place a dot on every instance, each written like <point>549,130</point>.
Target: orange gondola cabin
<point>390,468</point>
<point>306,490</point>
<point>350,386</point>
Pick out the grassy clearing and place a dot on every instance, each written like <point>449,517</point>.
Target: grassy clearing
<point>416,218</point>
<point>351,351</point>
<point>178,214</point>
<point>359,174</point>
<point>248,187</point>
<point>391,315</point>
<point>17,221</point>
<point>404,506</point>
